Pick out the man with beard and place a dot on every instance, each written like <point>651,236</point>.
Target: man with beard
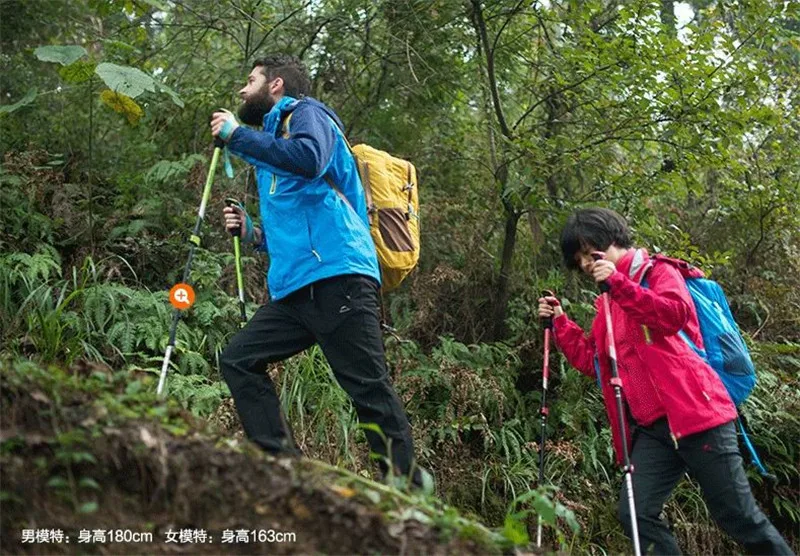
<point>323,278</point>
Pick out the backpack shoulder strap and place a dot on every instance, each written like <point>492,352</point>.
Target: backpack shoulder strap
<point>286,121</point>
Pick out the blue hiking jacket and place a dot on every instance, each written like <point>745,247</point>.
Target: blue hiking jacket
<point>310,232</point>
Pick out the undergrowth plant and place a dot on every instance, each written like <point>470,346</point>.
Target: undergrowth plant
<point>59,317</point>
<point>320,412</point>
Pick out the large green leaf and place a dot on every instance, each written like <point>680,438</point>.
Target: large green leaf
<point>172,94</point>
<point>64,55</point>
<point>29,97</point>
<point>129,81</point>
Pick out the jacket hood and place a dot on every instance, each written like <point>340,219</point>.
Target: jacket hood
<point>318,104</point>
<point>289,104</point>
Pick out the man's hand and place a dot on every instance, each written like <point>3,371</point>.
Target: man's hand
<point>223,124</point>
<point>237,218</point>
<point>602,269</point>
<point>549,307</point>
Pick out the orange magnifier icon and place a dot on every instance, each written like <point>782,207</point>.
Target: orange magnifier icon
<point>181,296</point>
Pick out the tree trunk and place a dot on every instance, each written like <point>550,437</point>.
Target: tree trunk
<point>503,290</point>
<point>555,112</point>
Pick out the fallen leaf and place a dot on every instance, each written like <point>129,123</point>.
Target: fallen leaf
<point>343,491</point>
<point>299,509</point>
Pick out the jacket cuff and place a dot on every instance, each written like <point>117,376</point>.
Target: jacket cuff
<point>237,134</point>
<point>561,322</point>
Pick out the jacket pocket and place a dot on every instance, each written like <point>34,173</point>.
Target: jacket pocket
<point>287,236</point>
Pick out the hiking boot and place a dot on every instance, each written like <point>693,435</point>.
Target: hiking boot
<point>422,482</point>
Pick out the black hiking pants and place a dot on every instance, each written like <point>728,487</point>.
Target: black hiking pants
<point>712,457</point>
<point>341,315</point>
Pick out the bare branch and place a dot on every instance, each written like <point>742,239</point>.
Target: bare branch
<point>511,15</point>
<point>560,91</point>
<point>278,24</point>
<point>480,27</point>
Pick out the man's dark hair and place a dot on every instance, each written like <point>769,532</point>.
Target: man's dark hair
<point>592,228</point>
<point>296,82</point>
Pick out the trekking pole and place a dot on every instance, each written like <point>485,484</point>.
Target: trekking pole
<point>237,255</point>
<point>547,324</point>
<point>617,384</point>
<point>194,243</point>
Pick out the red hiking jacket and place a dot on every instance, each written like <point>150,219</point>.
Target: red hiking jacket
<point>661,375</point>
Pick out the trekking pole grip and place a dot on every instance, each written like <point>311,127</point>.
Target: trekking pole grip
<point>231,202</point>
<point>599,256</point>
<point>547,322</point>
<point>219,143</point>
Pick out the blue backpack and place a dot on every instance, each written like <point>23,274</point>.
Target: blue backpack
<point>725,350</point>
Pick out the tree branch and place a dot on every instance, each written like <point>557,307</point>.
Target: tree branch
<point>278,24</point>
<point>480,27</point>
<point>560,91</point>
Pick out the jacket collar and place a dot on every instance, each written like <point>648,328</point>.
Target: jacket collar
<point>274,116</point>
<point>635,264</point>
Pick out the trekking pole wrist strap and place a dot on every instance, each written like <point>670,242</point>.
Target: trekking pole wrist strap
<point>258,239</point>
<point>249,230</point>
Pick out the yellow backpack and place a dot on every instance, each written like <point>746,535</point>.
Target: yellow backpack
<point>390,188</point>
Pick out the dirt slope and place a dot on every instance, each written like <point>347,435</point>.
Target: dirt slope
<point>77,454</point>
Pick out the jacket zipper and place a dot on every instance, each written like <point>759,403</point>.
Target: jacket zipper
<point>311,243</point>
<point>648,339</point>
<point>274,185</point>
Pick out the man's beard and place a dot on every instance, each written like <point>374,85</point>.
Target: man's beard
<point>253,110</point>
